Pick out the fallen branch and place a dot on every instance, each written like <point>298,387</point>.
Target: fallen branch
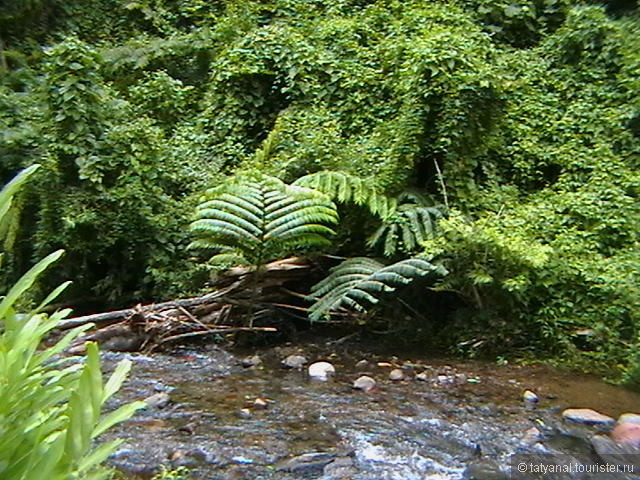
<point>217,331</point>
<point>108,318</point>
<point>241,295</point>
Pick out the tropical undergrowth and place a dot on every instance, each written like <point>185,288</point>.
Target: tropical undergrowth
<point>50,405</point>
<point>505,136</point>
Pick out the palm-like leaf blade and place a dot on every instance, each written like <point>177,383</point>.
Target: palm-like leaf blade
<point>358,283</point>
<point>261,218</point>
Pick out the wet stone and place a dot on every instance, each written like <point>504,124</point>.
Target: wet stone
<point>260,403</point>
<point>252,361</point>
<point>627,433</point>
<point>531,436</point>
<point>629,418</point>
<point>122,344</point>
<point>364,383</point>
<point>362,364</point>
<point>484,470</point>
<point>244,413</point>
<point>321,370</point>
<point>180,458</point>
<point>423,377</point>
<point>189,428</point>
<point>340,468</point>
<point>140,470</point>
<point>306,462</point>
<point>158,400</point>
<point>586,416</point>
<point>530,397</point>
<point>396,375</point>
<point>294,361</point>
<point>614,453</point>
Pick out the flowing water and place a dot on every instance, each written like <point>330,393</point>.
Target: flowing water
<point>466,415</point>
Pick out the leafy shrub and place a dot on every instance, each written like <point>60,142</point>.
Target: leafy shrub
<point>345,188</point>
<point>523,116</point>
<point>50,407</point>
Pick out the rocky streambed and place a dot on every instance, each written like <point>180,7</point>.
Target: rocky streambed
<point>246,416</point>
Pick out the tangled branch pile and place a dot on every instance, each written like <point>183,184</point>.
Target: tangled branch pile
<point>241,297</point>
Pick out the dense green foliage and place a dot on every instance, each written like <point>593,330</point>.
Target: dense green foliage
<point>50,407</point>
<point>522,118</point>
<point>254,220</point>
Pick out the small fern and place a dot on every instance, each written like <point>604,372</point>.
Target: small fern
<point>413,222</point>
<point>343,188</point>
<point>261,218</point>
<point>357,283</point>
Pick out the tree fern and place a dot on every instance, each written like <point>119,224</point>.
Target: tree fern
<point>261,218</point>
<point>343,187</point>
<point>359,282</point>
<point>412,222</point>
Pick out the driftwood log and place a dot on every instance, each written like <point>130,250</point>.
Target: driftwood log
<point>240,297</point>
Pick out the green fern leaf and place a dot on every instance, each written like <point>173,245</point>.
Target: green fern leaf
<point>359,282</point>
<point>343,188</point>
<point>261,218</point>
<point>413,221</point>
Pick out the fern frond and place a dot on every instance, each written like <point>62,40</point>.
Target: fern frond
<point>206,244</point>
<point>343,188</point>
<point>263,217</point>
<point>228,259</point>
<point>357,283</point>
<point>413,221</point>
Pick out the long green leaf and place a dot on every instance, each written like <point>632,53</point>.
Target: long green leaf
<point>26,281</point>
<point>120,415</point>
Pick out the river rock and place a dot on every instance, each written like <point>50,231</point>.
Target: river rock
<point>530,397</point>
<point>396,375</point>
<point>423,377</point>
<point>362,364</point>
<point>321,370</point>
<point>586,416</point>
<point>179,458</point>
<point>364,383</point>
<point>484,470</point>
<point>613,453</point>
<point>158,400</point>
<point>252,361</point>
<point>531,436</point>
<point>122,344</point>
<point>340,468</point>
<point>627,433</point>
<point>294,361</point>
<point>306,462</point>
<point>445,379</point>
<point>244,413</point>
<point>260,403</point>
<point>629,418</point>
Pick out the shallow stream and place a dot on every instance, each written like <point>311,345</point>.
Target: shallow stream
<point>466,420</point>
